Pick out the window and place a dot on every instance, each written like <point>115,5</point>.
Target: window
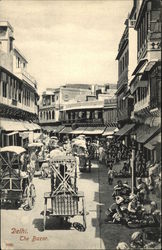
<point>49,115</point>
<point>17,62</point>
<point>9,87</point>
<point>53,114</point>
<point>53,98</point>
<point>4,86</point>
<point>10,44</point>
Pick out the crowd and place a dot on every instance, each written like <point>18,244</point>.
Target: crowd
<point>128,208</point>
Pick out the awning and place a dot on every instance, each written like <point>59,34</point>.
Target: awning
<point>12,133</point>
<point>150,65</point>
<point>78,131</point>
<point>140,66</point>
<point>54,129</point>
<point>47,128</point>
<point>94,130</point>
<point>144,133</point>
<point>153,142</point>
<point>138,83</point>
<point>24,135</point>
<point>31,126</point>
<point>125,130</point>
<point>109,131</point>
<point>7,124</point>
<point>36,126</point>
<point>66,130</point>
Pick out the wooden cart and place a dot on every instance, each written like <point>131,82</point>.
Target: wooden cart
<point>64,195</point>
<point>15,182</point>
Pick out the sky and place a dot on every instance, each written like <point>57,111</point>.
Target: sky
<point>68,41</point>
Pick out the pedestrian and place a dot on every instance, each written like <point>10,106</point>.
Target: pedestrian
<point>110,174</point>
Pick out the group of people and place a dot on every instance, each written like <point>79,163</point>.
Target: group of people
<point>137,241</point>
<point>134,208</point>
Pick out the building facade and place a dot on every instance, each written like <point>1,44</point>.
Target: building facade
<point>18,91</point>
<point>78,106</point>
<point>142,83</point>
<point>126,62</point>
<point>146,83</point>
<point>53,100</point>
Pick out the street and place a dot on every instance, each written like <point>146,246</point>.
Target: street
<point>24,229</point>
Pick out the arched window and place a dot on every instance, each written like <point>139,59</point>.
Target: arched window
<point>49,115</point>
<point>53,114</point>
<point>44,115</point>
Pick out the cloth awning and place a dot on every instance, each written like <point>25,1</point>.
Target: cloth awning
<point>78,131</point>
<point>7,124</point>
<point>66,130</point>
<point>153,142</point>
<point>31,126</point>
<point>125,130</point>
<point>36,126</point>
<point>94,130</point>
<point>144,133</point>
<point>109,131</point>
<point>47,128</point>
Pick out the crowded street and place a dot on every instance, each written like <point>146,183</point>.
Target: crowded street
<point>80,124</point>
<point>94,186</point>
<point>98,198</point>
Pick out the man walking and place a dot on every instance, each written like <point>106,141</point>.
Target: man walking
<point>110,174</point>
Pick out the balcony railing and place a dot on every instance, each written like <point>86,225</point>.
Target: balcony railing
<point>83,120</point>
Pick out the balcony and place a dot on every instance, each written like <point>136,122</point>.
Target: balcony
<point>24,75</point>
<point>144,103</point>
<point>151,47</point>
<point>83,121</point>
<point>14,103</point>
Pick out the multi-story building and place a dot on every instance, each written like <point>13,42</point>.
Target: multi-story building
<point>53,101</point>
<point>126,62</point>
<point>18,92</point>
<point>77,105</point>
<point>91,117</point>
<point>146,84</point>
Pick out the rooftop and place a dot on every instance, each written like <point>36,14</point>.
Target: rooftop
<point>6,24</point>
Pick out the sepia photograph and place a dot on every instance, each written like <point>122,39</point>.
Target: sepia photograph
<point>80,124</point>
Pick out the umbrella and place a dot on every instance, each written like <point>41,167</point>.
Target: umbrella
<point>35,144</point>
<point>80,143</point>
<point>57,152</point>
<point>13,149</point>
